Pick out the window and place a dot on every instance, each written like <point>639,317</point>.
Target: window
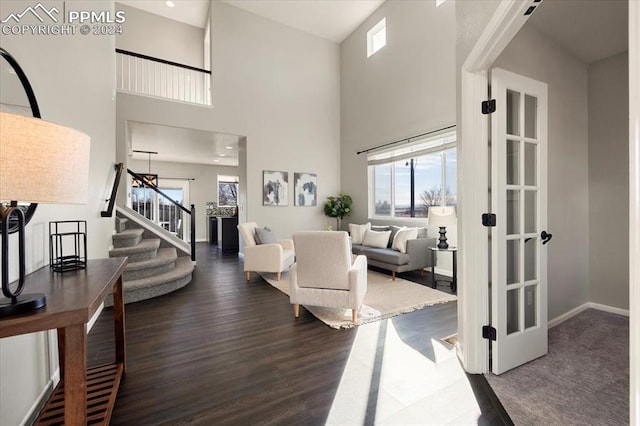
<point>376,37</point>
<point>227,191</point>
<point>405,181</point>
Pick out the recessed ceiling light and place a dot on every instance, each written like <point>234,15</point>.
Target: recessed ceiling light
<point>221,155</point>
<point>169,3</point>
<point>216,161</point>
<point>229,147</point>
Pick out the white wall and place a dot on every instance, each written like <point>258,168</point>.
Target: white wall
<point>404,89</point>
<point>609,181</point>
<point>534,55</point>
<point>204,188</point>
<point>73,79</point>
<point>160,37</point>
<point>281,89</point>
<point>275,85</point>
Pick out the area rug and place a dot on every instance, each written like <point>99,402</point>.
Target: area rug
<point>385,298</point>
<point>583,380</point>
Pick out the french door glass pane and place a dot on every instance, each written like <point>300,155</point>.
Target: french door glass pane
<point>513,113</point>
<point>530,164</point>
<point>530,259</point>
<point>513,162</point>
<point>530,116</point>
<point>513,212</point>
<point>513,310</point>
<point>513,261</point>
<point>382,189</point>
<point>530,306</point>
<point>530,211</point>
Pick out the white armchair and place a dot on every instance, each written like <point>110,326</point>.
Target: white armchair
<point>275,257</point>
<point>325,274</point>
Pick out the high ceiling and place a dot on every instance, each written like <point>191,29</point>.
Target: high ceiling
<point>590,29</point>
<point>330,19</point>
<point>192,12</point>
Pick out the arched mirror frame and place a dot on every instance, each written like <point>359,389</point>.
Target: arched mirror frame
<point>35,112</point>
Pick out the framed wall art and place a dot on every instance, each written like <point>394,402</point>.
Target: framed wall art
<point>305,189</point>
<point>275,188</point>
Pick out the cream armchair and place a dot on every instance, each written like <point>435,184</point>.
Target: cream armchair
<point>324,273</point>
<point>275,257</point>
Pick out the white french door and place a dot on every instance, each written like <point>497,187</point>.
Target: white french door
<point>519,200</point>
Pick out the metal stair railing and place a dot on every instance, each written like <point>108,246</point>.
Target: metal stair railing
<point>192,213</point>
<point>112,200</point>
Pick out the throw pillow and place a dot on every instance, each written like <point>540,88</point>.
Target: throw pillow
<point>422,232</point>
<point>377,239</point>
<point>401,238</point>
<point>394,230</point>
<point>265,236</point>
<point>357,232</point>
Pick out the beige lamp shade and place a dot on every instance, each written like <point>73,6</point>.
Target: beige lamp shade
<point>442,215</point>
<point>42,162</point>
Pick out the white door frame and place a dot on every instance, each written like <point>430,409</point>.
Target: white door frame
<point>634,209</point>
<point>473,178</point>
<point>473,184</point>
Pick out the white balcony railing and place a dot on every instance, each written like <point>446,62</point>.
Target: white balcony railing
<point>145,75</point>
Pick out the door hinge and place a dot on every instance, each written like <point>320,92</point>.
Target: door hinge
<point>489,219</point>
<point>489,106</point>
<point>488,332</point>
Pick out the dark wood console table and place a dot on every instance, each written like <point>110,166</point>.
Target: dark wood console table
<point>72,299</point>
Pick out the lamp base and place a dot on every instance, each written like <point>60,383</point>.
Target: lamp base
<point>442,244</point>
<point>22,304</point>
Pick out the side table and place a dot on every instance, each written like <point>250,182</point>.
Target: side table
<point>72,299</point>
<point>454,250</point>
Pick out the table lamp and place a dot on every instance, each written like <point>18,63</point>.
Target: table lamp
<point>442,216</point>
<point>40,162</point>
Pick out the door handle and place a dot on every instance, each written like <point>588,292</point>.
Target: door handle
<point>546,237</point>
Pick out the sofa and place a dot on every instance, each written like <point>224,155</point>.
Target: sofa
<point>382,253</point>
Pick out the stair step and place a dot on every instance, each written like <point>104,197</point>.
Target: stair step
<point>127,238</point>
<point>121,223</point>
<point>163,262</point>
<point>147,288</point>
<point>146,249</point>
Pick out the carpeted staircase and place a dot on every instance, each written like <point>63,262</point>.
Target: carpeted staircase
<point>152,270</point>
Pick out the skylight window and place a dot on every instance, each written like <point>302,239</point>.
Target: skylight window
<point>377,37</point>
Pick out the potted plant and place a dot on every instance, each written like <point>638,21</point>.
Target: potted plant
<point>338,207</point>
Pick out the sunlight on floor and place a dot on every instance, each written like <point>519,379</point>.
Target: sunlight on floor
<point>386,381</point>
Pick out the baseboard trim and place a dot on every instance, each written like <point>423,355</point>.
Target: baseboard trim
<point>610,309</point>
<point>589,305</point>
<point>42,399</point>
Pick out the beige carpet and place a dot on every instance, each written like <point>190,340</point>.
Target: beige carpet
<point>385,298</point>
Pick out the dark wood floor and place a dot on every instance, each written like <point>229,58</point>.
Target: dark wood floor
<point>226,351</point>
